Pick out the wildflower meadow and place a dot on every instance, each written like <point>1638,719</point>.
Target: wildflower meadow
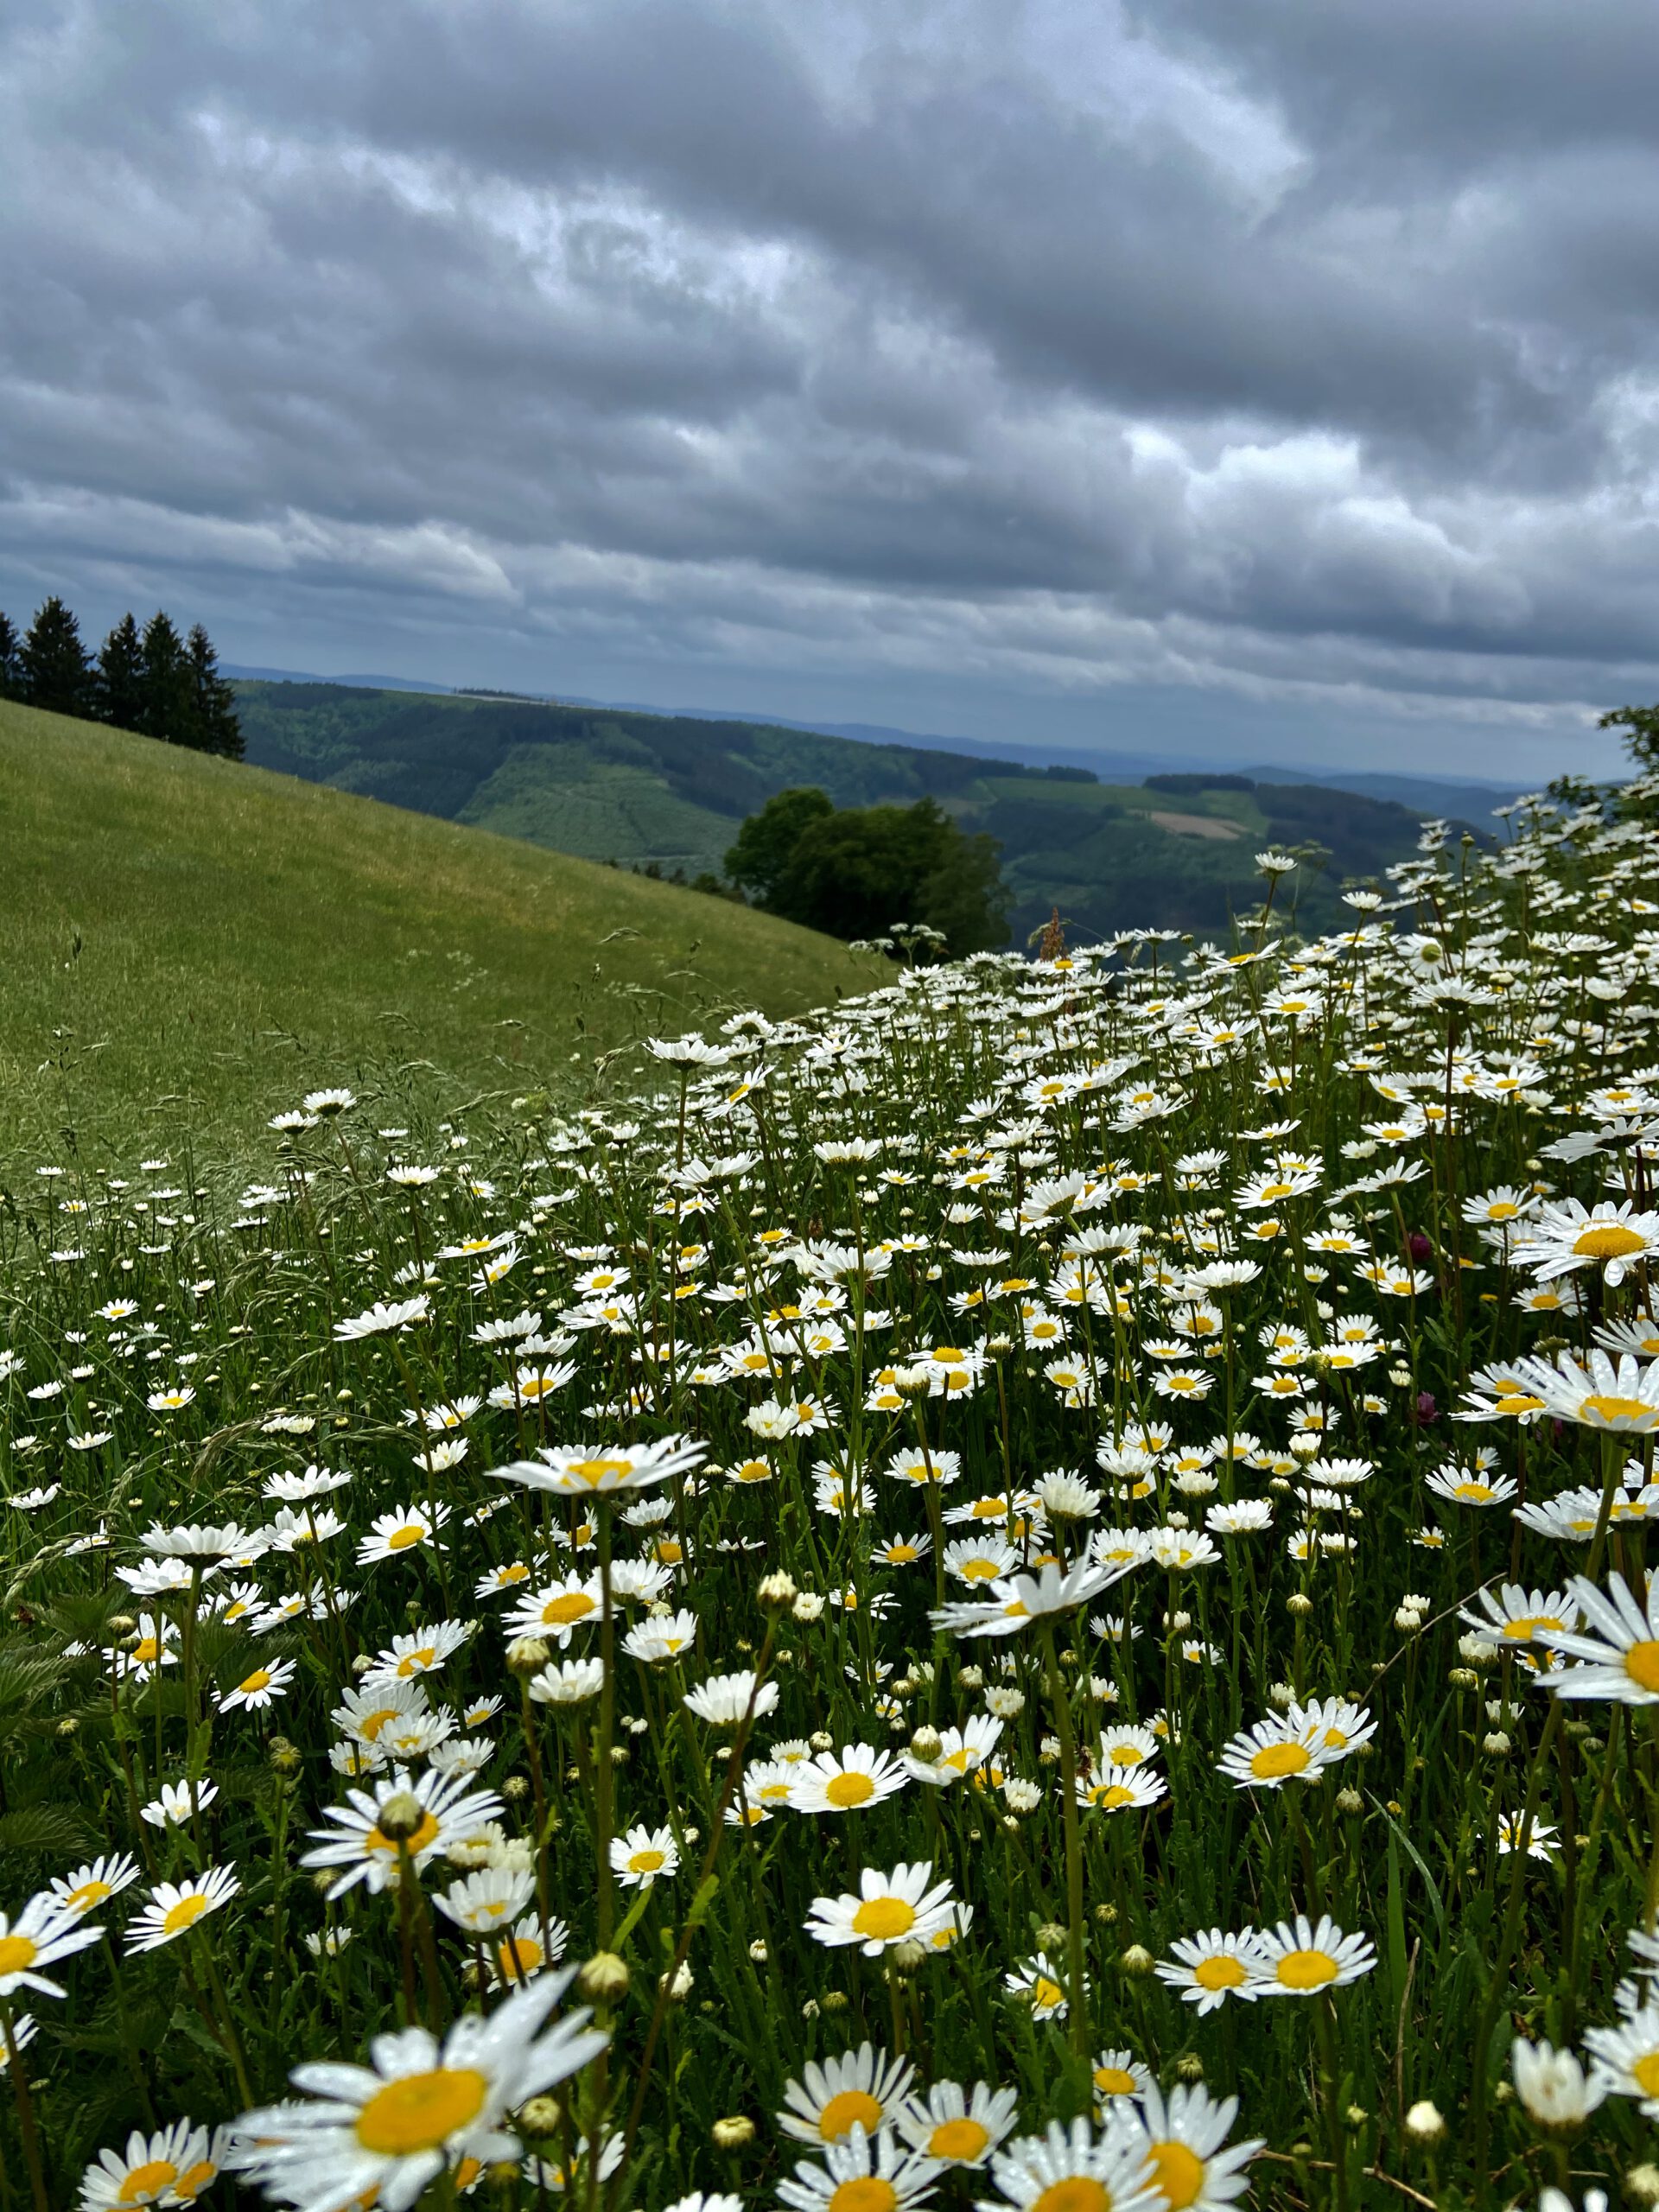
<point>1030,1593</point>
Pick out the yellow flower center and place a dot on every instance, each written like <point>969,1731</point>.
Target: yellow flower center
<point>1178,2172</point>
<point>424,1835</point>
<point>1046,1995</point>
<point>1474,1493</point>
<point>849,1789</point>
<point>1504,1209</point>
<point>188,1911</point>
<point>1306,1970</point>
<point>1115,2081</point>
<point>518,1958</point>
<point>1641,1665</point>
<point>883,1920</point>
<point>190,2183</point>
<point>1273,1761</point>
<point>1276,1191</point>
<point>594,1472</point>
<point>1222,1971</point>
<point>1111,1797</point>
<point>88,1895</point>
<point>144,2185</point>
<point>17,1953</point>
<point>258,1680</point>
<point>1613,1409</point>
<point>646,1862</point>
<point>957,2138</point>
<point>1076,2193</point>
<point>415,1662</point>
<point>401,1539</point>
<point>1646,2072</point>
<point>421,2111</point>
<point>979,1570</point>
<point>146,1651</point>
<point>575,1605</point>
<point>864,2193</point>
<point>1609,1240</point>
<point>1526,1625</point>
<point>850,2108</point>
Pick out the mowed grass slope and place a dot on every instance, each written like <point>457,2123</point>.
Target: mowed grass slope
<point>186,943</point>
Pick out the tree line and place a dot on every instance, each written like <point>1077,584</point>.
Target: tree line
<point>151,681</point>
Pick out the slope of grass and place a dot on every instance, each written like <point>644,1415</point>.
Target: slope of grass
<point>187,943</point>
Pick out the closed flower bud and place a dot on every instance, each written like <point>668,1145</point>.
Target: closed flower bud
<point>1463,1678</point>
<point>807,1607</point>
<point>541,2115</point>
<point>400,1816</point>
<point>1349,1801</point>
<point>1137,1960</point>
<point>926,1744</point>
<point>604,1979</point>
<point>1050,1938</point>
<point>908,1957</point>
<point>527,1655</point>
<point>778,1591</point>
<point>678,1985</point>
<point>283,1756</point>
<point>1641,2184</point>
<point>1300,1604</point>
<point>1190,2067</point>
<point>1424,2124</point>
<point>1496,1744</point>
<point>835,2000</point>
<point>734,2133</point>
<point>515,1788</point>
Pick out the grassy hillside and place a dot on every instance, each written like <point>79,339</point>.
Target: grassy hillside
<point>669,791</point>
<point>185,942</point>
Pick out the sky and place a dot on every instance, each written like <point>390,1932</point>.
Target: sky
<point>1249,379</point>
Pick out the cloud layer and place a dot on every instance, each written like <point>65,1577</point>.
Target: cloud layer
<point>1022,368</point>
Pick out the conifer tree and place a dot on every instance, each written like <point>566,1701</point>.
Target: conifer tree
<point>12,665</point>
<point>168,701</point>
<point>215,726</point>
<point>121,677</point>
<point>57,672</point>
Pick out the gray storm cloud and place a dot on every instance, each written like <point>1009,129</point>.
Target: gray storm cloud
<point>1025,365</point>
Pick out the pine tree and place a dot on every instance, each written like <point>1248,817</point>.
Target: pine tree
<point>12,665</point>
<point>57,673</point>
<point>121,677</point>
<point>168,699</point>
<point>214,720</point>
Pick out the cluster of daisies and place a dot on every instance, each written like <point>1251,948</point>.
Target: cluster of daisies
<point>840,1630</point>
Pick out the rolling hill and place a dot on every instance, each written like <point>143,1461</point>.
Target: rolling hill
<point>188,945</point>
<point>669,791</point>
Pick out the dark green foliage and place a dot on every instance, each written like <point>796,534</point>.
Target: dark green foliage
<point>158,684</point>
<point>1640,728</point>
<point>858,872</point>
<point>762,856</point>
<point>213,724</point>
<point>57,674</point>
<point>168,701</point>
<point>1197,782</point>
<point>121,677</point>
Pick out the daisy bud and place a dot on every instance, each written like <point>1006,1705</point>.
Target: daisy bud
<point>1408,1619</point>
<point>1281,1696</point>
<point>1137,1961</point>
<point>1641,2184</point>
<point>758,1952</point>
<point>122,1625</point>
<point>926,1744</point>
<point>1349,1801</point>
<point>1496,1745</point>
<point>1300,1604</point>
<point>282,1755</point>
<point>362,1663</point>
<point>907,1958</point>
<point>604,1979</point>
<point>1463,1678</point>
<point>541,2115</point>
<point>1050,1937</point>
<point>971,1678</point>
<point>809,1606</point>
<point>1357,2116</point>
<point>515,1788</point>
<point>527,1655</point>
<point>835,2000</point>
<point>1190,2068</point>
<point>778,1591</point>
<point>677,1985</point>
<point>733,2134</point>
<point>1424,2124</point>
<point>400,1816</point>
<point>1106,1915</point>
<point>820,1740</point>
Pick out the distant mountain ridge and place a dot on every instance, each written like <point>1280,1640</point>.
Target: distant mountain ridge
<point>1473,798</point>
<point>668,793</point>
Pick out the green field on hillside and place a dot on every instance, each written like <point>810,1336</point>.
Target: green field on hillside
<point>670,791</point>
<point>187,944</point>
